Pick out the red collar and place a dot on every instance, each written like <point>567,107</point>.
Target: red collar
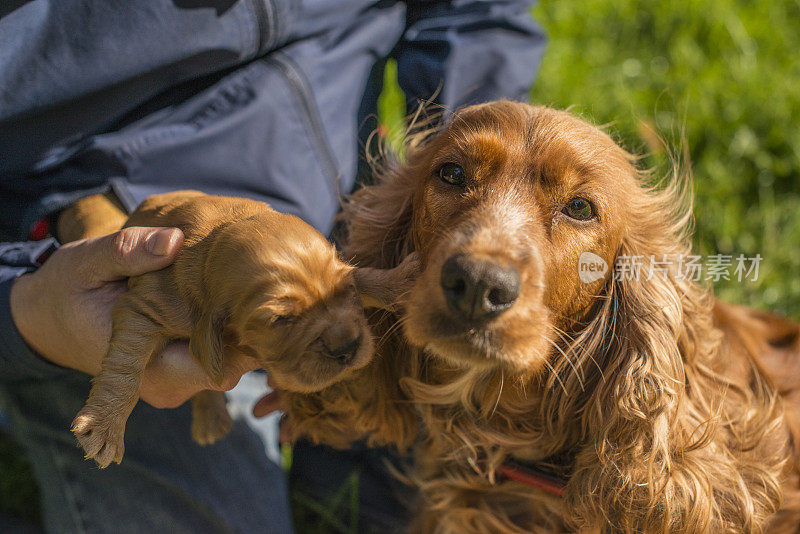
<point>530,476</point>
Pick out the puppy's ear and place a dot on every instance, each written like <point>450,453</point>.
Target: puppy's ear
<point>206,343</point>
<point>371,404</point>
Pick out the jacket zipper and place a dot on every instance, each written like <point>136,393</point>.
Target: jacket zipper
<point>300,84</point>
<point>265,20</point>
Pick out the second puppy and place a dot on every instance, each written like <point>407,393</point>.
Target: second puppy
<point>247,278</point>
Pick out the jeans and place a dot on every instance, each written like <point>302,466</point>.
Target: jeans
<point>166,482</point>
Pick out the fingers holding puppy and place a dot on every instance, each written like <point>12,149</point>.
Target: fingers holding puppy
<point>174,376</point>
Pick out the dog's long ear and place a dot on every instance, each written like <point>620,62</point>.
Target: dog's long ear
<point>379,217</point>
<point>206,345</point>
<point>379,221</point>
<point>654,458</point>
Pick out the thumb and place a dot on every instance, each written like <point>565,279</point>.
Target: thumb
<point>271,402</point>
<point>131,252</point>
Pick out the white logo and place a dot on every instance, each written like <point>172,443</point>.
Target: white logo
<point>591,267</point>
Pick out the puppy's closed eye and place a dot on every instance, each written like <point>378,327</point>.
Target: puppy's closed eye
<point>283,320</point>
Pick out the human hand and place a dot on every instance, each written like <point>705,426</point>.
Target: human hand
<point>63,311</point>
<point>269,403</point>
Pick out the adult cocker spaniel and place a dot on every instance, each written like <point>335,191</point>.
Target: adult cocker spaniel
<point>541,387</point>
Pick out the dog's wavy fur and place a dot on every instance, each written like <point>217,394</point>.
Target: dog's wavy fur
<point>666,410</point>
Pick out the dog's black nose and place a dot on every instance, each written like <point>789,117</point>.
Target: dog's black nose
<point>346,351</point>
<point>477,288</point>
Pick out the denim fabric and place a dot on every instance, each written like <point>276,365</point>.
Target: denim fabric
<point>255,98</point>
<point>358,480</point>
<point>166,483</point>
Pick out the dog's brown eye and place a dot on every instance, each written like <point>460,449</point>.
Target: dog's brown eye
<point>580,209</point>
<point>453,174</point>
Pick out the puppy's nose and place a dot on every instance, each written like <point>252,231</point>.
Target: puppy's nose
<point>342,340</point>
<point>479,289</point>
<point>346,351</point>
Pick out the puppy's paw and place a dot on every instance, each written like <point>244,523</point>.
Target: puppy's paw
<point>100,435</point>
<point>210,423</point>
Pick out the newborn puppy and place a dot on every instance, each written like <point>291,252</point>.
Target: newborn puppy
<point>247,278</point>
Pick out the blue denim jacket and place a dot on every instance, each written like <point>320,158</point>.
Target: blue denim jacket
<point>256,98</point>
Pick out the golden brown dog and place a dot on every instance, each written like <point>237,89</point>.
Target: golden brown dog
<point>662,409</point>
<point>247,277</point>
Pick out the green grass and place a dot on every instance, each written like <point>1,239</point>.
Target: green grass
<point>19,495</point>
<point>337,515</point>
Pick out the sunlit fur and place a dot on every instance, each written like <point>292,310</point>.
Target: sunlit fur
<point>248,277</point>
<point>667,411</point>
<point>265,281</point>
